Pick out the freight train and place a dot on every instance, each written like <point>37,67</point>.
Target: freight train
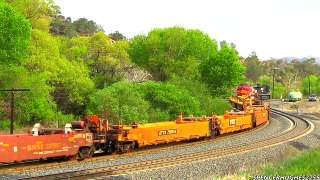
<point>263,91</point>
<point>83,138</point>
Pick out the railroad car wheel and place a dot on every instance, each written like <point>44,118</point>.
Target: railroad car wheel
<point>218,132</point>
<point>80,155</point>
<point>253,119</point>
<point>111,147</point>
<point>125,147</point>
<point>85,152</point>
<point>71,157</point>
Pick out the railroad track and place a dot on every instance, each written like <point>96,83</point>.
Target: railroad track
<point>299,127</point>
<point>31,165</point>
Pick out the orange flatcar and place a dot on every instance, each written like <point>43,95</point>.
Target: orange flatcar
<point>125,137</point>
<point>128,137</point>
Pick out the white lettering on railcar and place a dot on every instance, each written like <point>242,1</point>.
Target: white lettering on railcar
<point>167,132</point>
<point>232,122</point>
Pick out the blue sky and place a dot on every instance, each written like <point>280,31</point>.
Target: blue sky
<point>271,28</point>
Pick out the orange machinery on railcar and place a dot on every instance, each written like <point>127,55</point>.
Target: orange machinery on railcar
<point>126,137</point>
<point>260,114</point>
<point>45,143</point>
<point>245,96</point>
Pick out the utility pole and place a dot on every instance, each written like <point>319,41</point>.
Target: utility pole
<point>274,70</point>
<point>309,83</point>
<point>12,104</point>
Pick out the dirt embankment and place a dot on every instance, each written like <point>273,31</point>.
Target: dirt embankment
<point>303,106</point>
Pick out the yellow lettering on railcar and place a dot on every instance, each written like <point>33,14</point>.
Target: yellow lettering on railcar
<point>78,136</point>
<point>53,145</point>
<point>34,147</point>
<point>167,132</point>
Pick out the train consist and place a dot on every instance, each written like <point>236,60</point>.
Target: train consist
<point>263,91</point>
<point>83,138</point>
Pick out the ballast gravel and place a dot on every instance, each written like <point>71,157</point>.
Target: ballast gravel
<point>200,170</point>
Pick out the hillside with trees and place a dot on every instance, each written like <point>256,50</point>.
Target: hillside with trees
<point>289,75</point>
<point>74,68</point>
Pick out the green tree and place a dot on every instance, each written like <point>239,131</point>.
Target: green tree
<point>38,12</point>
<point>69,79</point>
<point>14,36</point>
<point>30,107</point>
<point>117,36</point>
<point>120,102</point>
<point>152,101</point>
<point>86,27</point>
<point>43,54</point>
<point>253,67</point>
<point>199,90</point>
<point>312,82</point>
<point>171,52</point>
<point>62,26</point>
<point>75,48</point>
<point>106,59</point>
<point>222,72</point>
<point>171,99</point>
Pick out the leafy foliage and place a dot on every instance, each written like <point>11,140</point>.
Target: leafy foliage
<point>79,69</point>
<point>38,12</point>
<point>14,36</point>
<point>107,60</point>
<point>151,102</point>
<point>86,27</point>
<point>171,52</point>
<point>253,67</point>
<point>117,36</point>
<point>67,69</point>
<point>222,72</point>
<point>199,90</point>
<point>311,81</point>
<point>172,99</point>
<point>30,106</point>
<point>62,26</point>
<point>82,27</point>
<point>120,102</point>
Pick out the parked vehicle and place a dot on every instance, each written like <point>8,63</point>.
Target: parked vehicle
<point>295,96</point>
<point>312,97</point>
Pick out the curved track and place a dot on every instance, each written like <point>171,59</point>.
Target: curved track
<point>299,127</point>
<point>31,165</point>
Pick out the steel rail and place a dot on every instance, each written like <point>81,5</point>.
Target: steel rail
<point>298,129</point>
<point>31,165</point>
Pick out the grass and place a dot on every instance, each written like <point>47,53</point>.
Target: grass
<point>295,163</point>
<point>307,163</point>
